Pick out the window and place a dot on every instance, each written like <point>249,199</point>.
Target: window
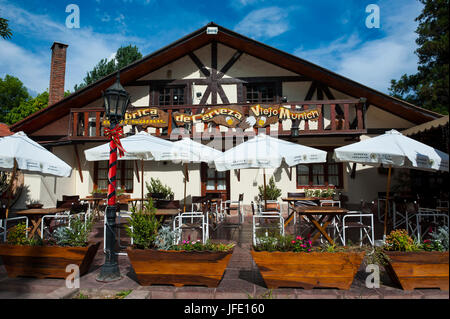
<point>260,93</point>
<point>124,175</point>
<point>321,174</point>
<point>171,96</point>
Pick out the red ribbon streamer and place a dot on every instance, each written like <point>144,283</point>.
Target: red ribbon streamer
<point>115,135</point>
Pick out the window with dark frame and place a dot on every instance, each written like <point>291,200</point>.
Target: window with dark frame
<point>320,174</point>
<point>260,92</point>
<point>171,95</point>
<point>124,175</point>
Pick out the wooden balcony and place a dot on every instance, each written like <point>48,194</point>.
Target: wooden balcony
<point>336,117</point>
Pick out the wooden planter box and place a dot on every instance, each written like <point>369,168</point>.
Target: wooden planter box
<point>426,269</point>
<point>308,270</point>
<point>46,261</point>
<point>178,268</point>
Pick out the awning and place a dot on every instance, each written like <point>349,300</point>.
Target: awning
<point>426,126</point>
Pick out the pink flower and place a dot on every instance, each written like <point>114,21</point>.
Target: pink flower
<point>293,241</point>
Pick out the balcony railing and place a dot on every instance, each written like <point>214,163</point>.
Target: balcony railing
<point>336,117</point>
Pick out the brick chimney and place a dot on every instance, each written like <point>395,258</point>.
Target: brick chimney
<point>57,73</point>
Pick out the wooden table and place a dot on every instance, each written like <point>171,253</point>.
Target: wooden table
<point>134,201</point>
<point>317,214</point>
<point>35,216</point>
<point>291,206</point>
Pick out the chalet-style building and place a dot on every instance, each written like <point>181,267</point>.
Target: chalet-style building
<point>210,68</point>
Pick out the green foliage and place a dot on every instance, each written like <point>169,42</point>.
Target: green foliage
<point>439,240</point>
<point>5,31</point>
<point>165,238</point>
<point>399,240</point>
<point>283,243</point>
<point>429,87</point>
<point>122,294</point>
<point>143,226</point>
<point>17,236</point>
<point>157,187</point>
<point>75,235</point>
<point>125,55</point>
<point>199,246</point>
<point>272,191</point>
<point>322,193</point>
<point>12,94</point>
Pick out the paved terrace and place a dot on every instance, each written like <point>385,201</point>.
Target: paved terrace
<point>242,280</point>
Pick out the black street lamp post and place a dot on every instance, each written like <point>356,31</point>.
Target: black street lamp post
<point>116,101</point>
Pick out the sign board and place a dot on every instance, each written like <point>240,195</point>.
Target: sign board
<point>149,117</point>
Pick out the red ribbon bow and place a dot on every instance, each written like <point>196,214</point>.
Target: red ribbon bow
<point>115,135</point>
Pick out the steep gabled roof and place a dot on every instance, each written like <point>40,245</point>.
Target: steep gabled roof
<point>200,38</point>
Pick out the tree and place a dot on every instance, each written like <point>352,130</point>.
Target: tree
<point>28,107</point>
<point>124,56</point>
<point>5,31</point>
<point>429,87</point>
<point>12,94</point>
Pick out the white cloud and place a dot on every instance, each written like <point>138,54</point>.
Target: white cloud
<point>32,66</point>
<point>264,23</point>
<point>374,62</point>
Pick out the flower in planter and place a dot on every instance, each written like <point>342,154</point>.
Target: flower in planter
<point>399,240</point>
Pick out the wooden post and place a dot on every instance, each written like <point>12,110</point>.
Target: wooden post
<point>265,193</point>
<point>142,184</point>
<point>13,177</point>
<point>186,179</point>
<point>386,208</point>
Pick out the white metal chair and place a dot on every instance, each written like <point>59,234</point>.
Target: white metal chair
<point>366,229</point>
<point>260,221</point>
<point>226,206</point>
<point>60,220</point>
<point>179,223</point>
<point>429,213</point>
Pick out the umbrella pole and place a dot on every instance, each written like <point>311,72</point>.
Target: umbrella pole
<point>142,184</point>
<point>13,176</point>
<point>265,193</point>
<point>185,183</point>
<point>386,207</point>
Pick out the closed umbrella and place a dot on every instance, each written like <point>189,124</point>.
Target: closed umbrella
<point>394,150</point>
<point>18,151</point>
<point>264,151</point>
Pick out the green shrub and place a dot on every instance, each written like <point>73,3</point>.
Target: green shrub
<point>440,238</point>
<point>399,240</point>
<point>156,187</point>
<point>17,236</point>
<point>199,246</point>
<point>143,227</point>
<point>75,235</point>
<point>272,191</point>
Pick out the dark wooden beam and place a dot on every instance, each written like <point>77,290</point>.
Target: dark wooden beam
<point>199,64</point>
<point>229,64</point>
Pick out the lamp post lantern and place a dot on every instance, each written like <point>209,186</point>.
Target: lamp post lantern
<point>116,101</point>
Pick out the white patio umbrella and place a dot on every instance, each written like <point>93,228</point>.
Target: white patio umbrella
<point>144,146</point>
<point>198,152</point>
<point>264,152</point>
<point>18,151</point>
<point>141,146</point>
<point>395,150</point>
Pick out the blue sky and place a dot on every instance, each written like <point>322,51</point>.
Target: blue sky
<point>330,33</point>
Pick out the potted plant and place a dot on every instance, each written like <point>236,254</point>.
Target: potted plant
<point>34,204</point>
<point>157,260</point>
<point>285,261</point>
<point>157,190</point>
<point>272,193</point>
<point>99,193</point>
<point>413,265</point>
<point>23,256</point>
